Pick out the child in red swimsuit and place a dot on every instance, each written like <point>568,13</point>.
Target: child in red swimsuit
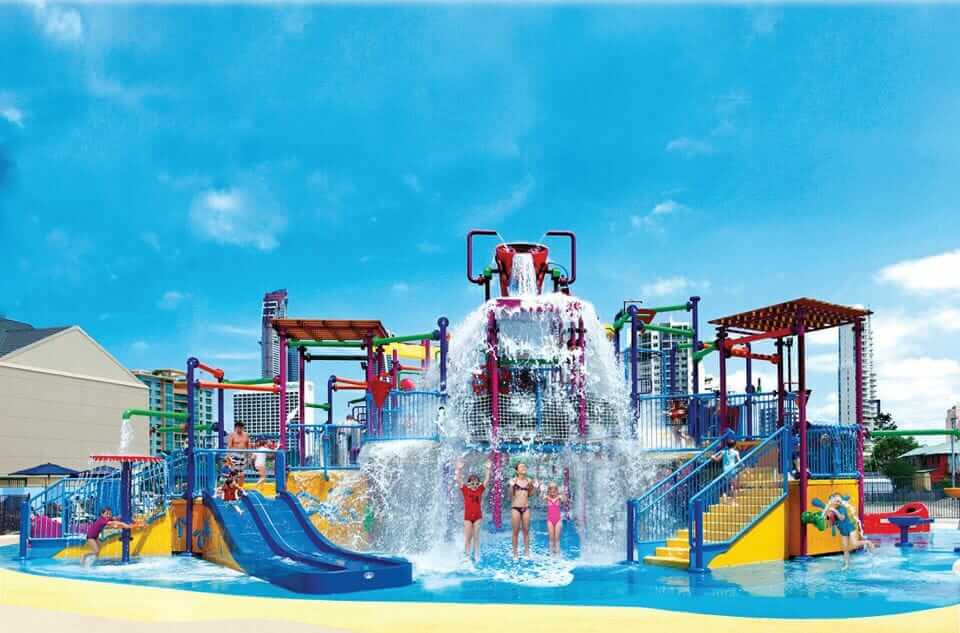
<point>472,510</point>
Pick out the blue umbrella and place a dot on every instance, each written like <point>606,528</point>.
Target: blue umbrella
<point>47,470</point>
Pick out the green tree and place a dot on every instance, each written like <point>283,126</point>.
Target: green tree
<point>884,422</point>
<point>901,472</point>
<point>887,450</point>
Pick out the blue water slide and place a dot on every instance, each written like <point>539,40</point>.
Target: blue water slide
<point>272,539</point>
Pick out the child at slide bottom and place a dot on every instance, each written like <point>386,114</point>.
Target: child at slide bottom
<point>845,519</point>
<point>472,510</point>
<point>105,520</point>
<point>554,500</point>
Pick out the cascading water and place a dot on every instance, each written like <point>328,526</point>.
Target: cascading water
<point>126,436</point>
<point>573,429</point>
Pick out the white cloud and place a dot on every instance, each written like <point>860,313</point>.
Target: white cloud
<point>12,114</point>
<point>140,346</point>
<point>399,288</point>
<point>333,191</point>
<point>737,380</point>
<point>429,248</point>
<point>926,275</point>
<point>826,411</point>
<point>653,221</point>
<point>919,389</point>
<point>822,337</point>
<point>68,254</point>
<point>232,355</point>
<point>413,183</point>
<point>689,147</point>
<point>171,299</point>
<point>151,239</point>
<point>239,216</point>
<point>822,363</point>
<point>236,330</point>
<point>128,95</point>
<point>672,285</point>
<point>495,212</point>
<point>62,25</point>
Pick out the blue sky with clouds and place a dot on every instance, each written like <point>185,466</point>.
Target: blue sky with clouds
<point>161,167</point>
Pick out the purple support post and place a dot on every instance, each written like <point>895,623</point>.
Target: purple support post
<point>693,409</point>
<point>370,373</point>
<point>722,352</point>
<point>191,464</point>
<point>582,379</point>
<point>283,392</point>
<point>749,391</point>
<point>781,395</point>
<point>673,369</point>
<point>221,432</point>
<point>442,323</point>
<point>330,382</point>
<point>858,385</point>
<point>616,338</point>
<point>381,368</point>
<point>395,369</point>
<point>802,412</point>
<point>493,377</point>
<point>425,365</point>
<point>302,406</point>
<point>634,396</point>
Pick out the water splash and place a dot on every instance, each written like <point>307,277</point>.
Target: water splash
<point>523,276</point>
<point>126,436</point>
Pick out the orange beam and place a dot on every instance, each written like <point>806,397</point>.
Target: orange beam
<point>352,381</point>
<point>342,387</point>
<point>227,385</point>
<point>213,371</point>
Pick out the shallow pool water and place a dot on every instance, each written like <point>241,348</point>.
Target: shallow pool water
<point>893,580</point>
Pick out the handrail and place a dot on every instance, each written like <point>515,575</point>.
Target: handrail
<point>672,476</point>
<point>727,528</point>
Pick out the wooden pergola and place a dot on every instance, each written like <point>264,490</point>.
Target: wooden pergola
<point>329,329</point>
<point>796,318</point>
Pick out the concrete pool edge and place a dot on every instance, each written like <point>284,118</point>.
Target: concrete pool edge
<point>132,603</point>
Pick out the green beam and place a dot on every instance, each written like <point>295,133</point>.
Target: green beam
<point>317,405</point>
<point>180,429</point>
<point>174,415</point>
<point>409,338</point>
<point>953,432</point>
<point>339,344</point>
<point>357,400</point>
<point>699,356</point>
<point>665,329</point>
<point>251,381</point>
<point>619,323</point>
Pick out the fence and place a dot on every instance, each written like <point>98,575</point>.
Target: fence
<point>664,509</point>
<point>882,494</point>
<point>733,502</point>
<point>11,500</point>
<point>406,415</point>
<point>329,446</point>
<point>832,451</point>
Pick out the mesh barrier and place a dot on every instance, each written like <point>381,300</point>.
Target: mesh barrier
<point>832,450</point>
<point>407,415</point>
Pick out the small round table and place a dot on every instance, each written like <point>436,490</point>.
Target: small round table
<point>905,523</point>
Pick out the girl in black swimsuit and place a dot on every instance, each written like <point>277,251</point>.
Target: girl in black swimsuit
<point>521,487</point>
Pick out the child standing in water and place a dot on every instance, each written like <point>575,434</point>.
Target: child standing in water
<point>472,509</point>
<point>730,457</point>
<point>845,519</point>
<point>105,520</point>
<point>521,488</point>
<point>554,499</point>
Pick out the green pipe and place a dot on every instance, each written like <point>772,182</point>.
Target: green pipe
<point>251,381</point>
<point>357,400</point>
<point>180,429</point>
<point>619,323</point>
<point>317,405</point>
<point>155,414</point>
<point>680,307</point>
<point>350,344</point>
<point>699,356</point>
<point>689,345</point>
<point>665,329</point>
<point>409,338</point>
<point>953,432</point>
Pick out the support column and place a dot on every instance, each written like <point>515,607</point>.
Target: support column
<point>582,379</point>
<point>693,409</point>
<point>634,395</point>
<point>302,406</point>
<point>722,352</point>
<point>370,373</point>
<point>493,388</point>
<point>283,392</point>
<point>802,413</point>
<point>748,389</point>
<point>126,511</point>
<point>781,395</point>
<point>221,432</point>
<point>191,462</point>
<point>443,323</point>
<point>858,411</point>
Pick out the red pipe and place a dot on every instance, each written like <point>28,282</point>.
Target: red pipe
<point>730,342</point>
<point>742,352</point>
<point>227,385</point>
<point>341,387</point>
<point>352,381</point>
<point>213,371</point>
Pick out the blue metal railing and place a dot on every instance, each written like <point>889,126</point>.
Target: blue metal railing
<point>331,446</point>
<point>661,511</point>
<point>748,414</point>
<point>208,467</point>
<point>832,450</point>
<point>736,500</point>
<point>406,415</point>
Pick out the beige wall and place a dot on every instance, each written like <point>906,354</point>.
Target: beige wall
<point>61,402</point>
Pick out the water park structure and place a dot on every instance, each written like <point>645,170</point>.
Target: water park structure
<point>531,376</point>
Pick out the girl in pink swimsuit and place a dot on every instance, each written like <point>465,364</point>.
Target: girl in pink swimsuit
<point>554,500</point>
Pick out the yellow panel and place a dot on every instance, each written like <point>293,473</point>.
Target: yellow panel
<point>818,542</point>
<point>766,541</point>
<point>409,351</point>
<point>153,540</point>
<point>215,548</point>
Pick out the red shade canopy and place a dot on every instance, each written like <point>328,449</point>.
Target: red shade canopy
<point>125,458</point>
<point>329,329</point>
<point>816,315</point>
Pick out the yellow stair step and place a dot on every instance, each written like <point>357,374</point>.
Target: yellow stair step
<point>681,553</point>
<point>666,562</point>
<point>678,542</point>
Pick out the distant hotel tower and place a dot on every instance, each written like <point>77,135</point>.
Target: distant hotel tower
<point>275,307</point>
<point>846,376</point>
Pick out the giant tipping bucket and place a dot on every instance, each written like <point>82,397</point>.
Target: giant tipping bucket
<point>505,254</point>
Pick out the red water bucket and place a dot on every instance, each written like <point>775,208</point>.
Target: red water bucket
<point>504,256</point>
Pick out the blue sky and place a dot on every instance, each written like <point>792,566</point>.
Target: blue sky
<point>163,166</point>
